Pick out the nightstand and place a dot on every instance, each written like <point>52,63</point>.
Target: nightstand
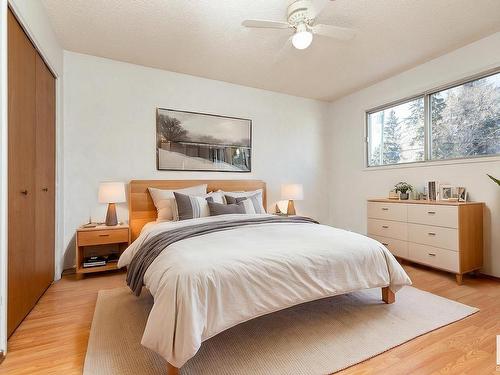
<point>100,241</point>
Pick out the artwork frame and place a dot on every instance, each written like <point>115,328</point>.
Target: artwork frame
<point>462,194</point>
<point>446,192</point>
<point>202,142</point>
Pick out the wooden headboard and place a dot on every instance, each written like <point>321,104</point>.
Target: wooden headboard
<point>142,209</point>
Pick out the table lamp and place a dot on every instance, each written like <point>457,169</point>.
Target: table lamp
<point>111,193</point>
<point>291,192</point>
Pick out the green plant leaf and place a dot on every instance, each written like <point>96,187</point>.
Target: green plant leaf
<point>494,179</point>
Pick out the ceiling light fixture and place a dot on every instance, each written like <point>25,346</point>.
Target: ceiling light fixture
<point>302,37</point>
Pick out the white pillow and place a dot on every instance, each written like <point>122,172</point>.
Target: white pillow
<point>248,194</point>
<point>217,196</point>
<point>165,202</point>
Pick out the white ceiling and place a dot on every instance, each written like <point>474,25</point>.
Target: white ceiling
<point>205,38</point>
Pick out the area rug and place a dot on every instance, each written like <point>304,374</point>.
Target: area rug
<point>319,337</point>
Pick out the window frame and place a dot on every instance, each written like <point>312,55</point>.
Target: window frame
<point>427,122</point>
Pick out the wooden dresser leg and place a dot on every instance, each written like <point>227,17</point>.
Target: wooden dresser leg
<point>388,295</point>
<point>459,277</point>
<point>171,370</point>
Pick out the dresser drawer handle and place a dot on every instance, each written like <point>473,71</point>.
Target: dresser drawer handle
<point>431,234</point>
<point>432,254</point>
<point>385,209</point>
<point>385,244</point>
<point>385,226</point>
<point>104,235</point>
<point>431,212</point>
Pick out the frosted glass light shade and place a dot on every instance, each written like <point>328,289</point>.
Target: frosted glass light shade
<point>302,37</point>
<point>112,192</point>
<point>292,192</point>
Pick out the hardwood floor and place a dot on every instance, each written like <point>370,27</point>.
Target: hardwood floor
<point>53,338</point>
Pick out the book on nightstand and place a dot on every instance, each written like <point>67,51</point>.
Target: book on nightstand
<point>94,261</point>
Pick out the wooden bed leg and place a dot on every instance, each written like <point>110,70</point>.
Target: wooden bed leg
<point>388,295</point>
<point>459,278</point>
<point>171,370</point>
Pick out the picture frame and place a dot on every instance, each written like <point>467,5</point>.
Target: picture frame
<point>461,194</point>
<point>196,141</point>
<point>446,192</point>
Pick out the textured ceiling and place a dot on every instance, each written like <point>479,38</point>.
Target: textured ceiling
<point>205,38</point>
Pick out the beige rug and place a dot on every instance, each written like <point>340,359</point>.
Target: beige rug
<point>315,338</point>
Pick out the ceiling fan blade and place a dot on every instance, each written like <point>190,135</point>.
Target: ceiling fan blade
<point>266,24</point>
<point>335,32</point>
<point>317,7</point>
<point>283,51</point>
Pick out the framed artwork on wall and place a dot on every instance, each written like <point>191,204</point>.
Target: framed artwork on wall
<point>190,141</point>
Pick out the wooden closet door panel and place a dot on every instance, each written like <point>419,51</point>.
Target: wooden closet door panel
<point>44,177</point>
<point>21,173</point>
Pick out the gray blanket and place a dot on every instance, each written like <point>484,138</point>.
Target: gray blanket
<point>151,248</point>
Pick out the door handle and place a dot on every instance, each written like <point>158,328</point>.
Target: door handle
<point>45,189</point>
<point>24,192</point>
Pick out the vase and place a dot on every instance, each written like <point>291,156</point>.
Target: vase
<point>404,196</point>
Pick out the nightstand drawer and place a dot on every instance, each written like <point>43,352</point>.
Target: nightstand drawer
<point>102,237</point>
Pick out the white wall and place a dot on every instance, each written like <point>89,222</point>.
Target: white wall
<point>34,20</point>
<point>351,184</point>
<point>109,111</point>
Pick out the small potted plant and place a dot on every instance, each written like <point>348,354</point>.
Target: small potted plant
<point>403,188</point>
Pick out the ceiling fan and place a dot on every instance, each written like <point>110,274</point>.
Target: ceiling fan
<point>301,17</point>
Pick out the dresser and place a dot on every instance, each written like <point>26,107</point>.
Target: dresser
<point>444,235</point>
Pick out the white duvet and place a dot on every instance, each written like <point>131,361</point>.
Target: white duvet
<point>205,285</point>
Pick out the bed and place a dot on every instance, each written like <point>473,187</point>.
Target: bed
<point>205,284</point>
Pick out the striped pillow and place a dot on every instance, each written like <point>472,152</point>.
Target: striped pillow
<point>255,199</point>
<point>191,207</point>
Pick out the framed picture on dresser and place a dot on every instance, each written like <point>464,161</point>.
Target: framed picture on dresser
<point>190,141</point>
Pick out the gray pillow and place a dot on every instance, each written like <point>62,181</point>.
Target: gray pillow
<point>255,199</point>
<point>225,209</point>
<point>190,207</point>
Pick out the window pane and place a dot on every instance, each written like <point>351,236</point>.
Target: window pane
<point>396,134</point>
<point>465,120</point>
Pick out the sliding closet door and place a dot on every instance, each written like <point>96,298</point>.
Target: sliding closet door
<point>21,173</point>
<point>44,177</point>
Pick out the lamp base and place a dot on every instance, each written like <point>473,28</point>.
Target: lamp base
<point>291,208</point>
<point>111,219</point>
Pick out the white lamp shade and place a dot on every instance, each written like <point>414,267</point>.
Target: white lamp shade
<point>294,192</point>
<point>112,192</point>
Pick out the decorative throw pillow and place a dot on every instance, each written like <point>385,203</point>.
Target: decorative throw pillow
<point>164,200</point>
<point>191,207</point>
<point>225,209</point>
<point>255,199</point>
<point>217,196</point>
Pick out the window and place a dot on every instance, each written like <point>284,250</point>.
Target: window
<point>465,120</point>
<point>397,134</point>
<point>457,122</point>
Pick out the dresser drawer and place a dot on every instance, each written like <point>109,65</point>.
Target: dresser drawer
<point>396,247</point>
<point>446,238</point>
<point>443,216</point>
<point>101,237</point>
<point>387,228</point>
<point>433,256</point>
<point>387,211</point>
